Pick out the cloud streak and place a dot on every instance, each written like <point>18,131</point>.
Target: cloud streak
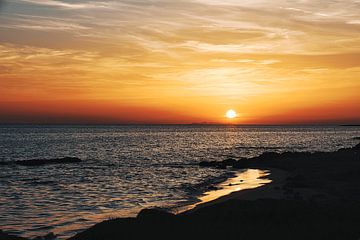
<point>179,53</point>
<point>66,5</point>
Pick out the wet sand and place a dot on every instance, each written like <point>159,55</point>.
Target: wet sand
<point>243,180</point>
<point>267,186</point>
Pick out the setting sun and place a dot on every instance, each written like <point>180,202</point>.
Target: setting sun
<point>151,110</point>
<point>231,114</point>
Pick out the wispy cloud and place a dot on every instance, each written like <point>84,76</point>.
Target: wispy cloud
<point>353,22</point>
<point>66,5</point>
<point>228,51</point>
<point>41,23</point>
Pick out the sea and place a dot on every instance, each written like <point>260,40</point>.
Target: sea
<point>126,168</point>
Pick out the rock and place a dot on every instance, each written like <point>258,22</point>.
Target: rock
<point>229,162</point>
<point>5,236</point>
<point>49,236</point>
<point>297,181</point>
<point>219,164</point>
<point>40,162</point>
<point>213,188</point>
<point>208,164</point>
<point>268,156</point>
<point>155,215</point>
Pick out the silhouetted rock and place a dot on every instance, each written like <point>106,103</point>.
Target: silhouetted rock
<point>298,181</point>
<point>49,236</point>
<point>229,161</point>
<point>268,156</point>
<point>40,162</point>
<point>239,219</point>
<point>208,164</point>
<point>154,215</point>
<point>286,160</point>
<point>213,188</point>
<point>219,164</point>
<point>5,236</point>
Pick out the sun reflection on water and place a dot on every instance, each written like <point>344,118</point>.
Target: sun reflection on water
<point>247,179</point>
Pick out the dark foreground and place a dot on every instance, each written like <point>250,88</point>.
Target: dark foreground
<point>319,199</point>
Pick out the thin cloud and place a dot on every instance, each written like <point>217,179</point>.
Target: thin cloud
<point>60,4</point>
<point>45,24</point>
<point>2,3</point>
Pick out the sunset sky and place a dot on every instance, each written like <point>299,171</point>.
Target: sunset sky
<point>183,61</point>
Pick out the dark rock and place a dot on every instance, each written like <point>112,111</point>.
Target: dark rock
<point>268,156</point>
<point>229,162</point>
<point>239,219</point>
<point>154,215</point>
<point>221,166</point>
<point>212,188</point>
<point>40,162</point>
<point>298,181</point>
<point>50,236</point>
<point>5,236</point>
<point>207,164</point>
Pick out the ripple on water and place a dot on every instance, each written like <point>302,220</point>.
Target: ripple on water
<point>127,168</point>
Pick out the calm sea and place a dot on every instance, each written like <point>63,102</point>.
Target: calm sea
<point>127,168</point>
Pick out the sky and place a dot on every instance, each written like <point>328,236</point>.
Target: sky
<point>183,61</point>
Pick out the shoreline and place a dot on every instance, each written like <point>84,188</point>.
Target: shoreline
<point>246,179</point>
<point>318,191</point>
<point>273,182</point>
<point>243,180</point>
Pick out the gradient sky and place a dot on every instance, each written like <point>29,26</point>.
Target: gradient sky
<point>183,61</point>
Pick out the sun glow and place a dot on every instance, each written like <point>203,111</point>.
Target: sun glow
<point>231,114</point>
<point>220,55</point>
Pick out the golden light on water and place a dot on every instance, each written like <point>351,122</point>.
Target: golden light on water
<point>231,114</point>
<point>248,179</point>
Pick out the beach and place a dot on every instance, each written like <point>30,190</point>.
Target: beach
<point>65,179</point>
<point>190,119</point>
<point>311,196</point>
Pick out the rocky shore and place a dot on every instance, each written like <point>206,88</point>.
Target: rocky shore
<point>312,196</point>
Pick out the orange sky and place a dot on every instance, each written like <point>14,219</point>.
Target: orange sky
<point>274,62</point>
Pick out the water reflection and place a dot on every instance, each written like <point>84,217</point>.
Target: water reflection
<point>128,168</point>
<point>247,179</point>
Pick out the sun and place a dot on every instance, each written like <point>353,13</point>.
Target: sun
<point>231,114</point>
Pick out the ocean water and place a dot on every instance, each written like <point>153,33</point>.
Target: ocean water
<point>127,168</point>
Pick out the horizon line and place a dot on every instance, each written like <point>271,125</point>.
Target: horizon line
<point>179,124</point>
